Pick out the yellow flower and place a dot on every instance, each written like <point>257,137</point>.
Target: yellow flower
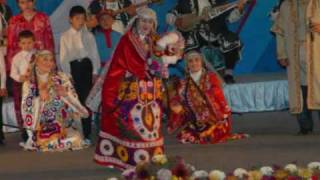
<point>122,153</point>
<point>174,178</point>
<point>254,175</point>
<point>281,174</point>
<point>160,159</point>
<point>305,173</point>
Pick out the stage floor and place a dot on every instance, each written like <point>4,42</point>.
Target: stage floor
<point>273,141</point>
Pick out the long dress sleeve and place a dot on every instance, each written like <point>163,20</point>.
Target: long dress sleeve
<point>64,64</point>
<point>278,29</point>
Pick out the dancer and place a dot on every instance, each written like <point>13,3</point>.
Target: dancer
<point>199,110</point>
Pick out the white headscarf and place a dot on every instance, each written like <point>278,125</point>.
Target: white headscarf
<point>143,13</point>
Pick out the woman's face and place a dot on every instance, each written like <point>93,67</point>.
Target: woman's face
<point>145,26</point>
<point>45,64</point>
<point>26,5</point>
<point>194,63</point>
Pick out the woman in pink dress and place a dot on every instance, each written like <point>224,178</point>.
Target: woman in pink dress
<point>36,22</point>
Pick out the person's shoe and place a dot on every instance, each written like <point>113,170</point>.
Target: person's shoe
<point>229,79</point>
<point>87,142</point>
<point>22,144</point>
<point>304,132</point>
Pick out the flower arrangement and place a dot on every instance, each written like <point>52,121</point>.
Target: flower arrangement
<point>163,168</point>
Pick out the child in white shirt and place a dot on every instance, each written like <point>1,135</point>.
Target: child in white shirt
<point>21,61</point>
<point>79,57</point>
<point>20,72</point>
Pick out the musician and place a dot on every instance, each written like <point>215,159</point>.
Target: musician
<point>122,19</point>
<point>214,32</point>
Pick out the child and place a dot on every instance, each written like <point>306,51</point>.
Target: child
<point>3,92</point>
<point>80,59</point>
<point>106,38</point>
<point>20,71</point>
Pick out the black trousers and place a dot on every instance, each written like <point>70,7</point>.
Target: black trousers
<point>305,117</point>
<point>1,131</point>
<point>81,72</point>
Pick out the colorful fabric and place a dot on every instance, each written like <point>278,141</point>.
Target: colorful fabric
<point>52,121</point>
<point>206,117</point>
<point>39,25</point>
<point>131,108</point>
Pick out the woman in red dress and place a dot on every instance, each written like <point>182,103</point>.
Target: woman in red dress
<point>36,22</point>
<point>131,100</point>
<point>200,112</point>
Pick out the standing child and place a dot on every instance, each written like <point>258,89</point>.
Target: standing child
<point>3,92</point>
<point>20,71</point>
<point>106,38</point>
<point>79,58</point>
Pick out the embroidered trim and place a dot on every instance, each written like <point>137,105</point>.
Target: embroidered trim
<point>128,144</point>
<point>111,160</point>
<point>137,45</point>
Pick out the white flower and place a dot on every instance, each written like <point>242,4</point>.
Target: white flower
<point>190,167</point>
<point>240,172</point>
<point>164,174</point>
<point>217,175</point>
<point>200,174</point>
<point>314,166</point>
<point>292,168</point>
<point>266,171</point>
<point>113,178</point>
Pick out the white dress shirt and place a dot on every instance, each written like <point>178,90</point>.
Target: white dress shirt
<point>3,76</point>
<point>76,45</point>
<point>20,64</point>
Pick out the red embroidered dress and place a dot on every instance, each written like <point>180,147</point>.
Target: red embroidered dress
<point>206,116</point>
<point>39,25</point>
<point>131,108</point>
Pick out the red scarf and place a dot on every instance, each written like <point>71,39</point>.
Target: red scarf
<point>107,35</point>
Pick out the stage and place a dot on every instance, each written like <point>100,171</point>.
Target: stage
<point>272,140</point>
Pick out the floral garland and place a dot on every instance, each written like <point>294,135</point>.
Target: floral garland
<point>163,168</point>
